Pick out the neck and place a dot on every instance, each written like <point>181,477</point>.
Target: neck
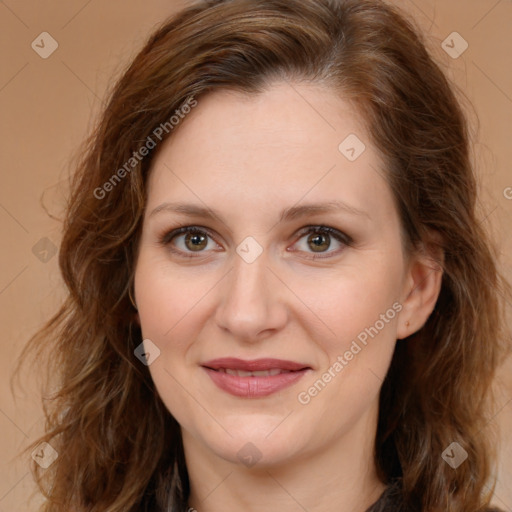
<point>342,478</point>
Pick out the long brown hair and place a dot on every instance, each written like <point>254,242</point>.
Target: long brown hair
<point>119,448</point>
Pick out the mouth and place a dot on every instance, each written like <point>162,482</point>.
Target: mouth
<point>258,373</point>
<point>254,378</point>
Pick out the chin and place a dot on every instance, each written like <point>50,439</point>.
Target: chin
<point>258,455</point>
<point>256,444</point>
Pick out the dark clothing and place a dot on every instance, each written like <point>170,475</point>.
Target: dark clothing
<point>391,500</point>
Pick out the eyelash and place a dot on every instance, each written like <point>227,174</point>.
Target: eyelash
<point>167,237</point>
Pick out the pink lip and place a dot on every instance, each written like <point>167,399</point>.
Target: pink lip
<point>253,386</point>
<point>253,365</point>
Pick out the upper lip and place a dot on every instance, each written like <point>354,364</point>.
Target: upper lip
<point>253,365</point>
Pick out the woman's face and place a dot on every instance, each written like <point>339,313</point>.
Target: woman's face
<point>293,269</point>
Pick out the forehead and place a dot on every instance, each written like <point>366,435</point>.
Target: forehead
<point>289,142</point>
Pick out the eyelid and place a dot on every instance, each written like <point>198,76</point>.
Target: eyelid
<point>168,236</point>
<point>338,235</point>
<point>320,228</point>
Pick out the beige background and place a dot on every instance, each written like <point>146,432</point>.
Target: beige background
<point>47,106</point>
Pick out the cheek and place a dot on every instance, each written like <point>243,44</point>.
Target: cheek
<point>168,304</point>
<point>167,298</point>
<point>359,309</point>
<point>350,303</point>
<point>358,343</point>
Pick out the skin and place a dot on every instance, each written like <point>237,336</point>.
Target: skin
<point>248,157</point>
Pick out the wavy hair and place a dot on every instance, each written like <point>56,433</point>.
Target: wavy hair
<point>119,447</point>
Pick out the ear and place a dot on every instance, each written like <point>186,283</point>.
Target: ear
<point>421,289</point>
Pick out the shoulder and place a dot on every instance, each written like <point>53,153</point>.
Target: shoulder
<point>391,500</point>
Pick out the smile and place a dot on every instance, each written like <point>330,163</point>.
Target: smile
<point>256,378</point>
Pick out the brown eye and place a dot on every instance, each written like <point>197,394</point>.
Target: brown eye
<point>319,242</point>
<point>188,240</point>
<point>196,241</point>
<point>322,241</point>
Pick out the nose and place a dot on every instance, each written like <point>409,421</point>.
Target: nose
<point>252,304</point>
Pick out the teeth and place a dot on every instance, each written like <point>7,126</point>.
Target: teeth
<point>266,373</point>
<point>259,373</point>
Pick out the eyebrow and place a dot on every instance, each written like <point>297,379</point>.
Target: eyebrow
<point>288,214</point>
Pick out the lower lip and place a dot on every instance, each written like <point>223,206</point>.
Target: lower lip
<point>254,387</point>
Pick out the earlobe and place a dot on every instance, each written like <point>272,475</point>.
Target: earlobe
<point>421,291</point>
